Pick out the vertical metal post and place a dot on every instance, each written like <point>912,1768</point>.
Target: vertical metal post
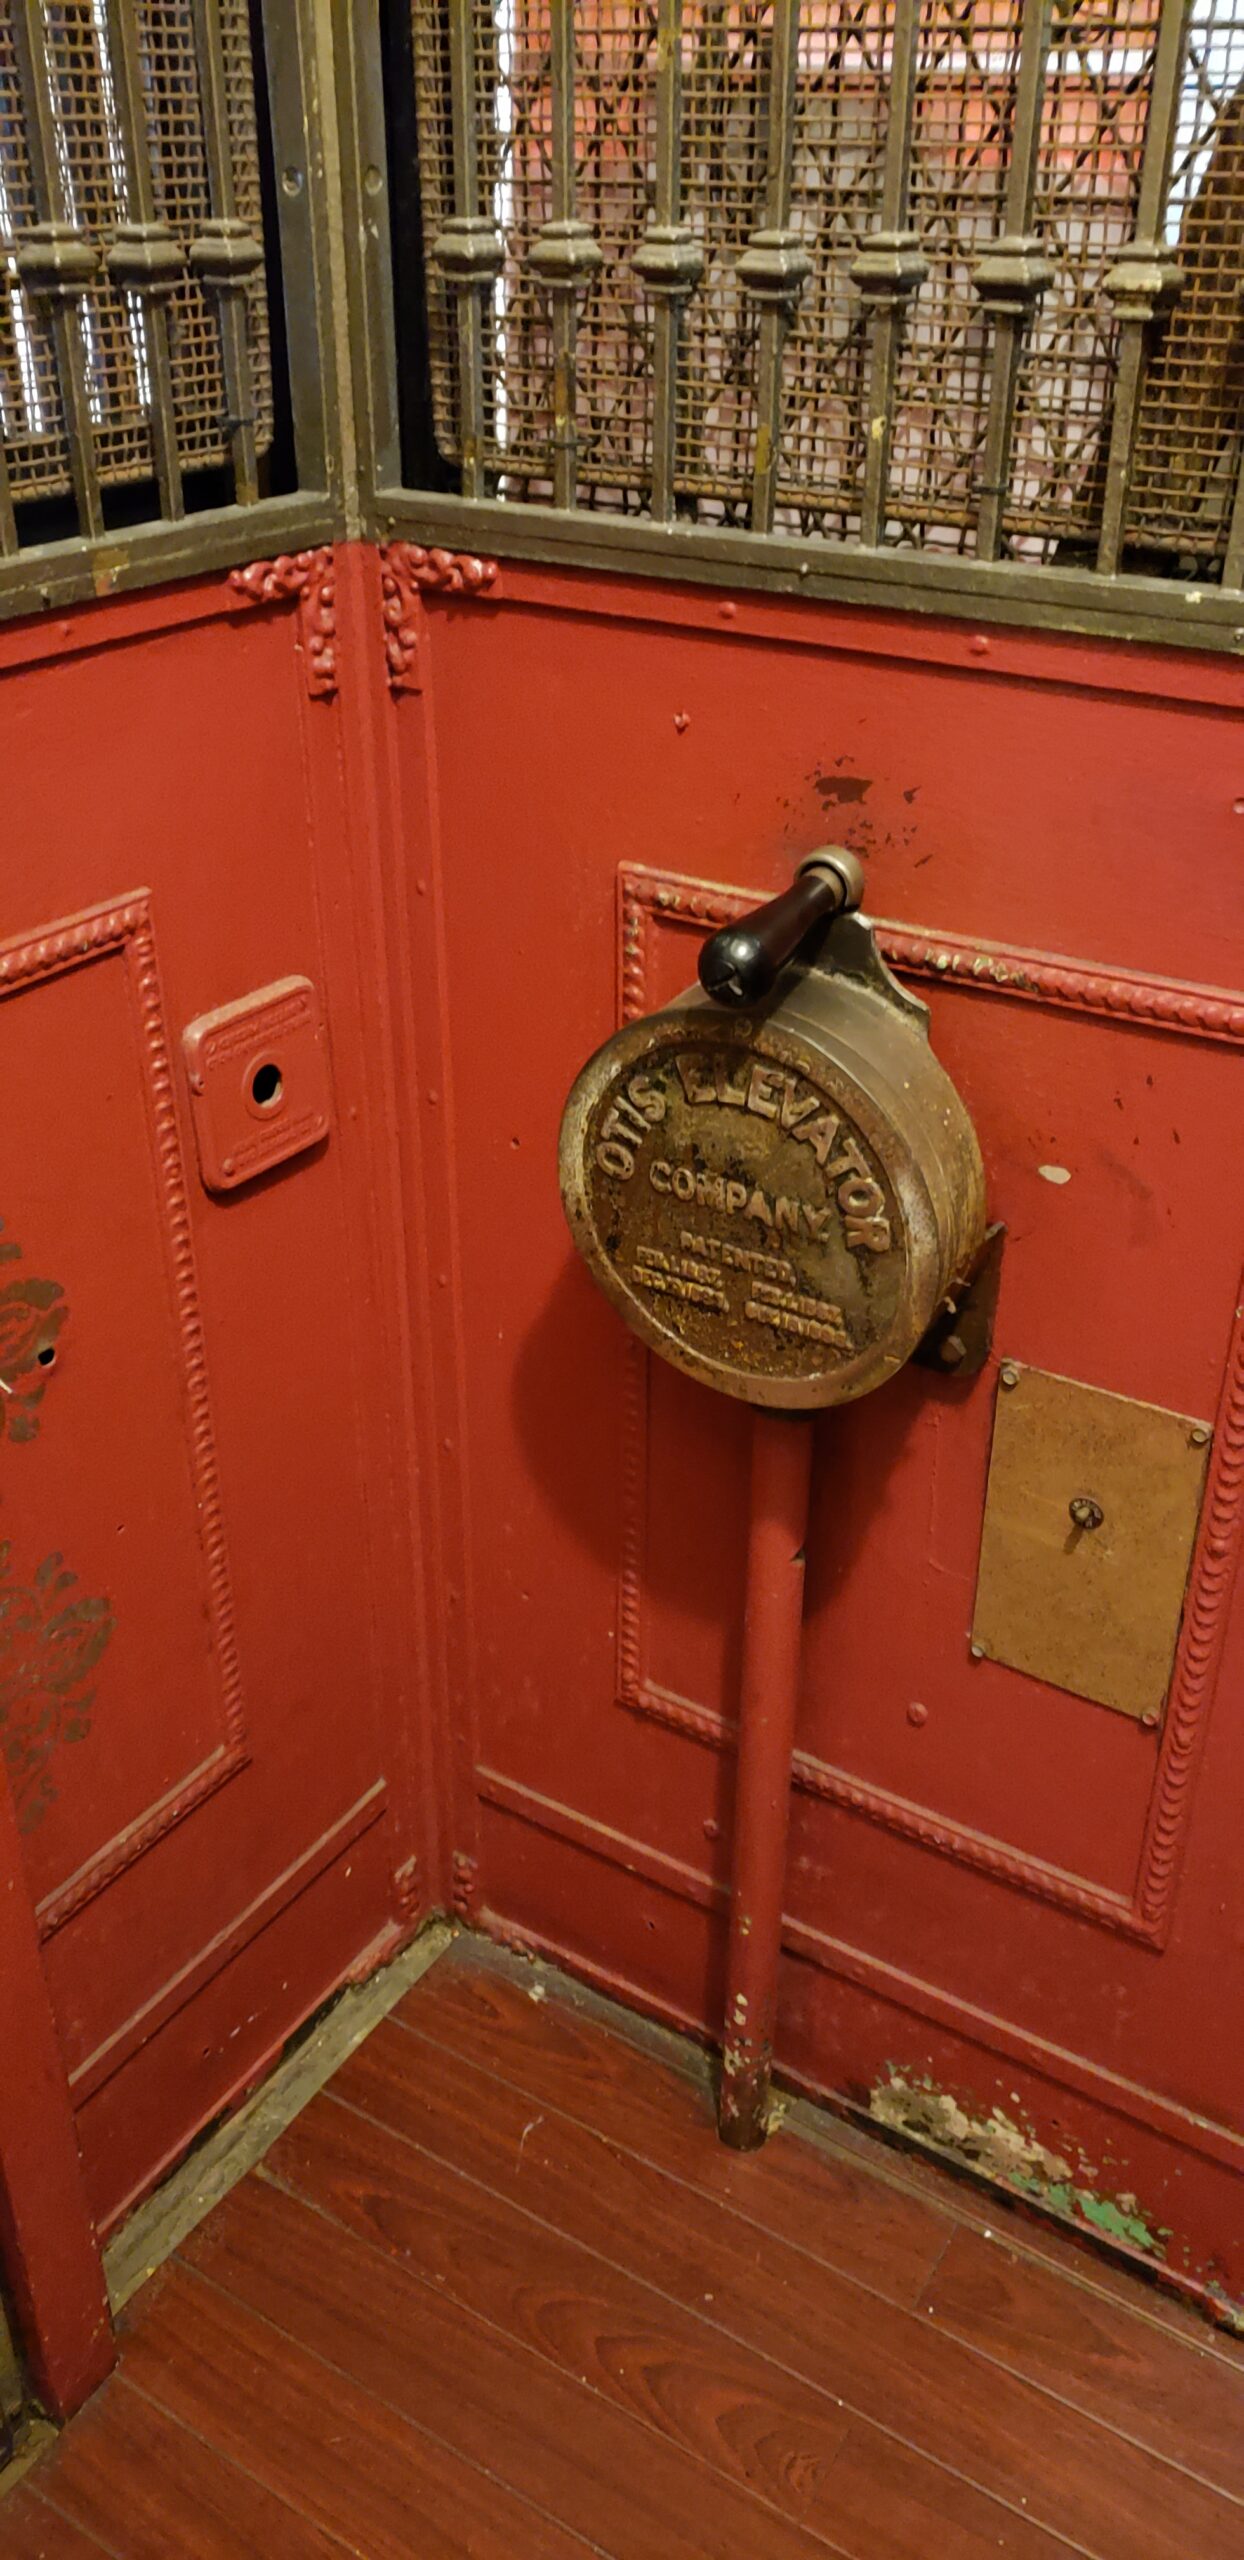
<point>775,266</point>
<point>469,250</point>
<point>1143,281</point>
<point>225,253</point>
<point>55,263</point>
<point>144,258</point>
<point>888,269</point>
<point>1011,276</point>
<point>772,1647</point>
<point>669,260</point>
<point>294,32</point>
<point>8,521</point>
<point>565,255</point>
<point>1233,564</point>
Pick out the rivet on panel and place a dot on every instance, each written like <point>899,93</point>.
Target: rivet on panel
<point>1008,1374</point>
<point>1200,1435</point>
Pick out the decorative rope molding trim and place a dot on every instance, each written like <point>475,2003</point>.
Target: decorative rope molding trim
<point>308,578</point>
<point>125,930</point>
<point>409,570</point>
<point>1206,1013</point>
<point>1201,1636</point>
<point>907,1992</point>
<point>974,1849</point>
<point>647,897</point>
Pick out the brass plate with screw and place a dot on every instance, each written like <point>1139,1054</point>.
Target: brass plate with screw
<point>1090,1521</point>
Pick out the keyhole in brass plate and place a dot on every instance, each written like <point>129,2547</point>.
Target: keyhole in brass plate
<point>1085,1513</point>
<point>266,1085</point>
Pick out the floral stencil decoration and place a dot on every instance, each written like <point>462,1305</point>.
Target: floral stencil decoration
<point>49,1645</point>
<point>31,1315</point>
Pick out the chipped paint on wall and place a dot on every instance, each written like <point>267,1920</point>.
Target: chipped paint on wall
<point>995,2147</point>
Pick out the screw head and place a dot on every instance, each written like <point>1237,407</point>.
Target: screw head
<point>1008,1374</point>
<point>1151,1719</point>
<point>1200,1435</point>
<point>977,1652</point>
<point>1085,1513</point>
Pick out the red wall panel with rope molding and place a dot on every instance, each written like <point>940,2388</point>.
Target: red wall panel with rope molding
<point>1003,1899</point>
<point>355,1562</point>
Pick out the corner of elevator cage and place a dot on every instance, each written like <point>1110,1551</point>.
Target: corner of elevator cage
<point>143,341</point>
<point>891,274</point>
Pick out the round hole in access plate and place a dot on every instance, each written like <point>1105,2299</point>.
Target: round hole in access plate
<point>266,1085</point>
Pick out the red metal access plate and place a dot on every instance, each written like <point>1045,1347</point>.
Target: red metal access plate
<point>259,1082</point>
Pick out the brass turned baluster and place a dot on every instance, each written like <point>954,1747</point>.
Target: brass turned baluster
<point>225,254</point>
<point>565,255</point>
<point>145,258</point>
<point>888,269</point>
<point>775,266</point>
<point>1143,281</point>
<point>1011,276</point>
<point>468,251</point>
<point>54,261</point>
<point>669,260</point>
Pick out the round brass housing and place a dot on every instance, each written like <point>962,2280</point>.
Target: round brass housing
<point>779,1202</point>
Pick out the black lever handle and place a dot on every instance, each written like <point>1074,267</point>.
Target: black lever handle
<point>740,963</point>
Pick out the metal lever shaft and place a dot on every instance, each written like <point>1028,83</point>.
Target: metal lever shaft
<point>739,965</point>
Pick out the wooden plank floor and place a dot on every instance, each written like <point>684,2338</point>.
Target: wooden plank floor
<point>499,2292</point>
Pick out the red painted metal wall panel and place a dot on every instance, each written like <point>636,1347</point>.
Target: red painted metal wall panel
<point>1017,1894</point>
<point>204,1631</point>
<point>400,1578</point>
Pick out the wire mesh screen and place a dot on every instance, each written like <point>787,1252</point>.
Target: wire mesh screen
<point>1099,147</point>
<point>71,44</point>
<point>1189,429</point>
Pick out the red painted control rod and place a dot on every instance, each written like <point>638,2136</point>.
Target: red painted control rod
<point>772,1646</point>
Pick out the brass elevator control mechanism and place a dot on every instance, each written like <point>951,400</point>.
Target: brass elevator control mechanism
<point>774,1180</point>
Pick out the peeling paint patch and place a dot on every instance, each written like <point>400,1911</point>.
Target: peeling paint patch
<point>1053,1173</point>
<point>837,788</point>
<point>997,2148</point>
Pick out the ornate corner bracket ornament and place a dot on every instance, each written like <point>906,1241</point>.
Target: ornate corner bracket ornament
<point>309,579</point>
<point>409,570</point>
<point>465,1893</point>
